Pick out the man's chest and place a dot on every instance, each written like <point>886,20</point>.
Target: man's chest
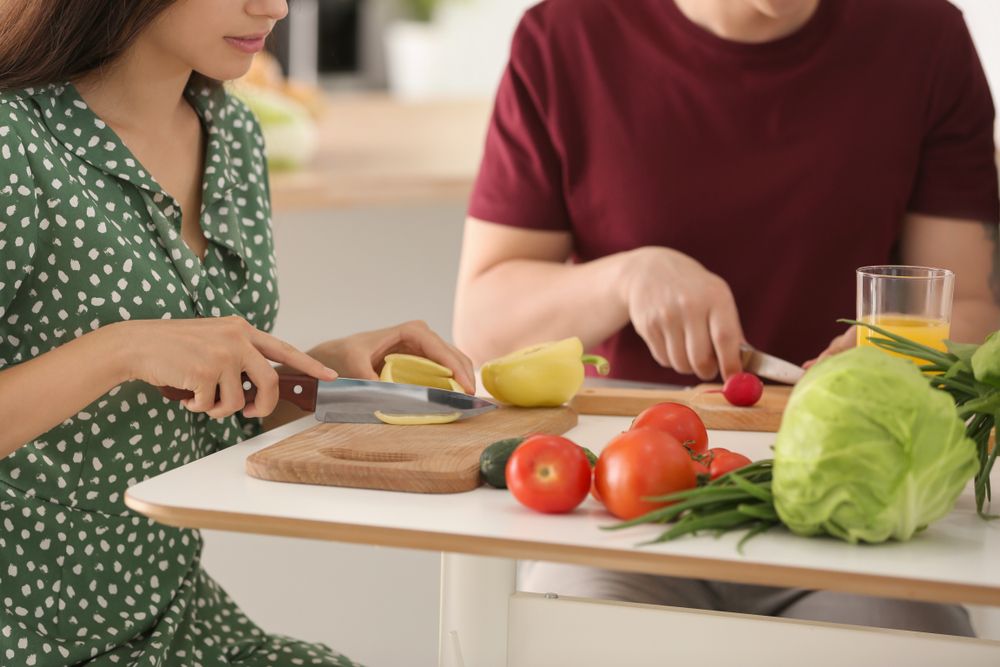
<point>692,167</point>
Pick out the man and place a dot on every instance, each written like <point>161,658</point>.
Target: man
<point>668,178</point>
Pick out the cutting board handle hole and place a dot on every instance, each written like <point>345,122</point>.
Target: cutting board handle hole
<point>370,457</point>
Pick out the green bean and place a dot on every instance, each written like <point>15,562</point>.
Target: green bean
<point>757,491</point>
<point>758,511</point>
<point>756,529</point>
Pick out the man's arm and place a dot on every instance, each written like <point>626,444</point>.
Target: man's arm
<point>971,250</point>
<point>516,287</point>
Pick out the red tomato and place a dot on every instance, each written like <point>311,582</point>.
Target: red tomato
<point>640,463</point>
<point>724,461</point>
<point>548,474</point>
<point>679,421</point>
<point>700,466</point>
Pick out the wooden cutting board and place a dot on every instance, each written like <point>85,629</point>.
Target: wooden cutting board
<point>441,458</point>
<point>713,408</point>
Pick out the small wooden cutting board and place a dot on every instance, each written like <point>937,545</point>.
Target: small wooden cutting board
<point>713,408</point>
<point>441,458</point>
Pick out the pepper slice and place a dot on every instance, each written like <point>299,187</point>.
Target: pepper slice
<point>543,375</point>
<point>411,369</point>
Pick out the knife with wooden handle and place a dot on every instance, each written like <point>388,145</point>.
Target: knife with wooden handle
<point>347,400</point>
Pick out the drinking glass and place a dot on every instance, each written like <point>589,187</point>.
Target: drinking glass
<point>911,301</point>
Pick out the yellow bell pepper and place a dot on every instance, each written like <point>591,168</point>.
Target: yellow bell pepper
<point>411,369</point>
<point>543,375</point>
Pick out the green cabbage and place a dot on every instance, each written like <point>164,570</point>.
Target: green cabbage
<point>868,451</point>
<point>986,361</point>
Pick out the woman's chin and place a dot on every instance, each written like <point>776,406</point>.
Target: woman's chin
<point>233,68</point>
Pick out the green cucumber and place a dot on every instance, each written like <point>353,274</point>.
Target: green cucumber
<point>493,460</point>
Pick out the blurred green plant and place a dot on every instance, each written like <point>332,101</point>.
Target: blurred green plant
<point>421,10</point>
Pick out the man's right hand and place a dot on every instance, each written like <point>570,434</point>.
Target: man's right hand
<point>685,313</point>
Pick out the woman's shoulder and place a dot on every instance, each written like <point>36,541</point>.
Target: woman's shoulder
<point>23,135</point>
<point>20,114</point>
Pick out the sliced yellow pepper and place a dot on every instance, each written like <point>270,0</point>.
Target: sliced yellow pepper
<point>417,420</point>
<point>543,375</point>
<point>411,369</point>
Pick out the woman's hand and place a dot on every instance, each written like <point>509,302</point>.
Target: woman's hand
<point>841,343</point>
<point>202,354</point>
<point>685,314</point>
<point>361,355</point>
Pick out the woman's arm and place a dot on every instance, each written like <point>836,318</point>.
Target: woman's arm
<point>205,356</point>
<point>515,288</point>
<point>39,394</point>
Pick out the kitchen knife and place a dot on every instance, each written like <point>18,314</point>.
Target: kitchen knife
<point>347,400</point>
<point>770,367</point>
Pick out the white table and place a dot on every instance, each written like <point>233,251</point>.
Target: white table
<point>484,621</point>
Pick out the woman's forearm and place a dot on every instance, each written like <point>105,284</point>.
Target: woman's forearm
<point>520,302</point>
<point>37,395</point>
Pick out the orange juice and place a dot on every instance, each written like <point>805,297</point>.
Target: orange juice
<point>924,330</point>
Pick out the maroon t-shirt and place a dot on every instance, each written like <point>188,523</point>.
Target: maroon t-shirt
<point>781,167</point>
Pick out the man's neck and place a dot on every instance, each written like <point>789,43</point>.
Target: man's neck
<point>740,21</point>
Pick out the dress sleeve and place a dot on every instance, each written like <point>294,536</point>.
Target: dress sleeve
<point>18,220</point>
<point>957,174</point>
<point>520,181</point>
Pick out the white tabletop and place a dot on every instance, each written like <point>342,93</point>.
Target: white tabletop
<point>955,560</point>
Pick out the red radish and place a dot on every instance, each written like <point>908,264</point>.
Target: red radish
<point>743,389</point>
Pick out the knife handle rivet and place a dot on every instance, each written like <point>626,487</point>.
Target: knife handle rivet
<point>247,385</point>
<point>297,389</point>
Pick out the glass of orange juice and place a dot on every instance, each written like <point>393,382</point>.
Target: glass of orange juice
<point>911,301</point>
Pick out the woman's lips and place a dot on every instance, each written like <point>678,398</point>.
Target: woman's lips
<point>248,44</point>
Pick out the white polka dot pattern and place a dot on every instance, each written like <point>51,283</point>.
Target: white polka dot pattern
<point>88,238</point>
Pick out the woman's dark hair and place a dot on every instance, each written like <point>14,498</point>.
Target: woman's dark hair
<point>51,41</point>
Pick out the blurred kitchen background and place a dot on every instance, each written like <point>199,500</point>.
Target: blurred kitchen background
<point>375,113</point>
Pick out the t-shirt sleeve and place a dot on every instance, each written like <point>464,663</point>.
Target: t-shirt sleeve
<point>520,181</point>
<point>957,174</point>
<point>18,220</point>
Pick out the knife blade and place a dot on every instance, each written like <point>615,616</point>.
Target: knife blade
<point>353,401</point>
<point>769,366</point>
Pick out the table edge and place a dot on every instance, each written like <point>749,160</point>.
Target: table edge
<point>646,562</point>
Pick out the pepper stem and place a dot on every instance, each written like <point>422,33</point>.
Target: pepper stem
<point>599,363</point>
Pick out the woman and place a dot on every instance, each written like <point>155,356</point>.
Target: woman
<point>667,178</point>
<point>135,252</point>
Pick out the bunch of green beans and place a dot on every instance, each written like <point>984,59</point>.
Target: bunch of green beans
<point>737,500</point>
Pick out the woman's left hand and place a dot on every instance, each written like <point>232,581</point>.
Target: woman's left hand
<point>841,343</point>
<point>362,355</point>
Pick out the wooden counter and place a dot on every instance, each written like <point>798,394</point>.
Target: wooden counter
<point>376,150</point>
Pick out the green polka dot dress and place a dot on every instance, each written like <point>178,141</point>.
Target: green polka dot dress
<point>88,238</point>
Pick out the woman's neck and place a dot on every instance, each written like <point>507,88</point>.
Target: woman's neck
<point>741,21</point>
<point>139,91</point>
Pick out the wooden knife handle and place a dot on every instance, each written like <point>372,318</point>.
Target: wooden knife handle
<point>296,388</point>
